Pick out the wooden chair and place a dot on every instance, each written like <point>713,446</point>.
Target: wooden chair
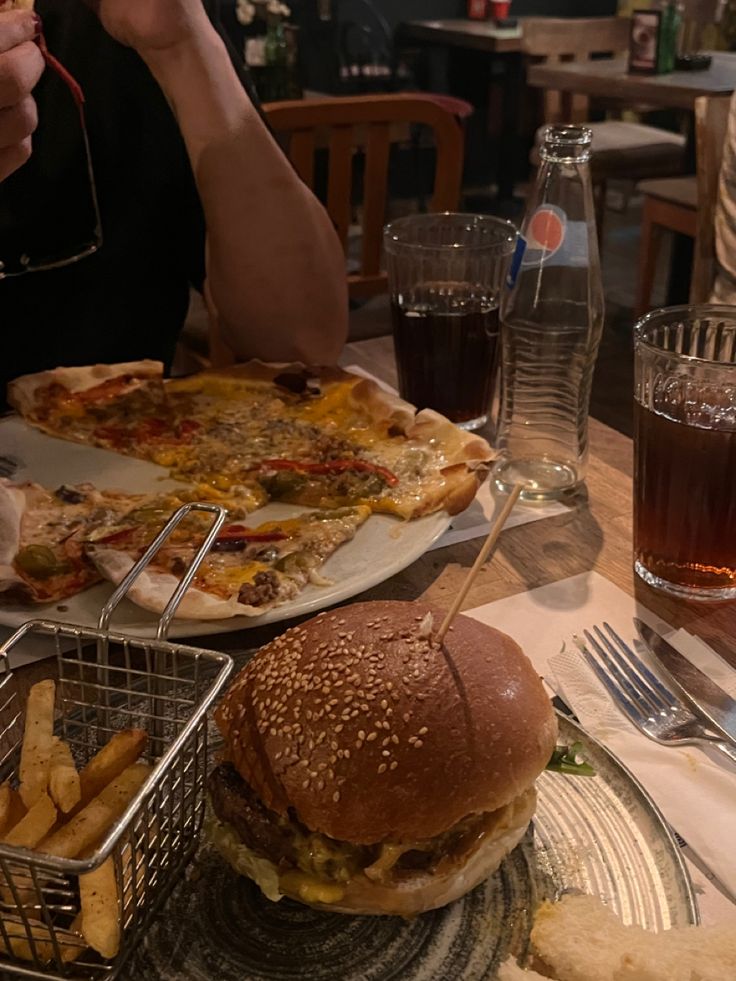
<point>686,206</point>
<point>711,128</point>
<point>369,124</point>
<point>621,149</point>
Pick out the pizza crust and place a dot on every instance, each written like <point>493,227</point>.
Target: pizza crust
<point>467,456</point>
<point>153,589</point>
<point>12,509</point>
<point>22,391</point>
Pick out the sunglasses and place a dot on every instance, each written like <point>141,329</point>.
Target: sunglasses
<point>26,263</point>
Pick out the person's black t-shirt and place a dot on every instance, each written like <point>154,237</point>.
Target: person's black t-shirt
<point>130,299</point>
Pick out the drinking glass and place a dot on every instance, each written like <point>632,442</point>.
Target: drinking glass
<point>685,451</point>
<point>445,276</point>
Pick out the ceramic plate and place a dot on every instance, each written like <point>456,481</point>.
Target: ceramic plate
<point>382,547</point>
<point>600,835</point>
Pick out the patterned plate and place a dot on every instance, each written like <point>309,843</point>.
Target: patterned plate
<point>601,835</point>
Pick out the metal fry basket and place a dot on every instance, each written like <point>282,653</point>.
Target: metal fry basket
<point>108,682</point>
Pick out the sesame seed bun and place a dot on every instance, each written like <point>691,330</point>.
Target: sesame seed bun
<point>370,732</point>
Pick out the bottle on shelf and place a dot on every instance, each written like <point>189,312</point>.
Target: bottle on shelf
<point>669,35</point>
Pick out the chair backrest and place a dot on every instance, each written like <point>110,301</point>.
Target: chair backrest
<point>711,126</point>
<point>559,39</point>
<point>369,124</point>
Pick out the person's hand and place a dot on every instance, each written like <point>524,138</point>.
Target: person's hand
<point>21,66</point>
<point>151,25</point>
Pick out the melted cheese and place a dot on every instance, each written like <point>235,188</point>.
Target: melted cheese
<point>309,889</point>
<point>331,404</point>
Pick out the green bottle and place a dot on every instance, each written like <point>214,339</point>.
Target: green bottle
<point>277,63</point>
<point>668,34</point>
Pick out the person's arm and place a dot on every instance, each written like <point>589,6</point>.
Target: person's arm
<point>275,267</point>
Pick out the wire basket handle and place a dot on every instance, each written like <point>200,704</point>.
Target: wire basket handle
<point>167,616</point>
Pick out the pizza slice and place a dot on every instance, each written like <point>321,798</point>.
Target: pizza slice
<point>249,570</point>
<point>312,437</point>
<point>57,544</point>
<point>45,536</point>
<point>327,438</point>
<point>75,403</point>
<point>42,536</point>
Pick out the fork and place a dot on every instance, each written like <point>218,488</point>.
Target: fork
<point>641,696</point>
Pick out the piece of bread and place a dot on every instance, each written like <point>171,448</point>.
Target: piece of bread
<point>580,939</point>
<point>510,971</point>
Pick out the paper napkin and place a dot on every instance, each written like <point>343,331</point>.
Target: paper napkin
<point>694,789</point>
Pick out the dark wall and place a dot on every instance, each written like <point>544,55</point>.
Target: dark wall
<point>318,46</point>
<point>396,11</point>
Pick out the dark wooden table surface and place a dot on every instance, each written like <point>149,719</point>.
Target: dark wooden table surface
<point>594,535</point>
<point>610,79</point>
<point>461,32</point>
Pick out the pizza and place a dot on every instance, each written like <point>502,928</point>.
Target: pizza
<point>322,439</point>
<point>319,438</point>
<point>55,544</point>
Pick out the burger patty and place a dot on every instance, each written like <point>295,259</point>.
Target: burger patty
<point>288,844</point>
<point>259,828</point>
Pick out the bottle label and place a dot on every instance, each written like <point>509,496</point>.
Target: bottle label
<point>552,240</point>
<point>516,261</point>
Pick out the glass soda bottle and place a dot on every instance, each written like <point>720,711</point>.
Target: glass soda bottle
<point>551,325</point>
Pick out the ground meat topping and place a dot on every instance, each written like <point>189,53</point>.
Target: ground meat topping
<point>263,589</point>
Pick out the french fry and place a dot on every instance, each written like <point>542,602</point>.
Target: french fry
<point>134,875</point>
<point>19,944</point>
<point>98,893</point>
<point>71,940</point>
<point>71,944</point>
<point>37,823</point>
<point>5,799</point>
<point>35,754</point>
<point>64,783</point>
<point>90,824</point>
<point>121,752</point>
<point>17,810</point>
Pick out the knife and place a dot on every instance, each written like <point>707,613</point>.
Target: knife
<point>710,702</point>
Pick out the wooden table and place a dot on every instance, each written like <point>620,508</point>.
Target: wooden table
<point>610,78</point>
<point>595,535</point>
<point>460,32</point>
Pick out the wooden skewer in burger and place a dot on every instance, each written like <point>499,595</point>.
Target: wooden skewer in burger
<point>372,766</point>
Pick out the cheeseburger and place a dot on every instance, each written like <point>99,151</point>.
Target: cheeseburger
<point>369,769</point>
